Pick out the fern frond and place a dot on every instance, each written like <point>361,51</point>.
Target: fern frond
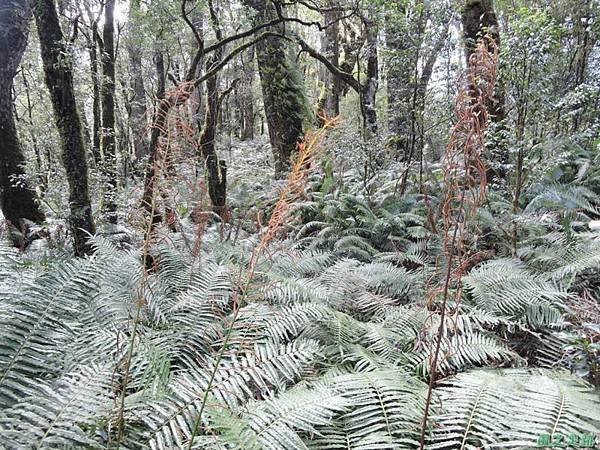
<point>504,287</point>
<point>571,259</point>
<point>387,404</point>
<point>566,197</point>
<point>461,351</point>
<point>62,415</point>
<point>34,330</point>
<point>280,422</point>
<point>238,379</point>
<point>511,409</point>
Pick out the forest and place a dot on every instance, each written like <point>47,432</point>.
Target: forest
<point>299,224</point>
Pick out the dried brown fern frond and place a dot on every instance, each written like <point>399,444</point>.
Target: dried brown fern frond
<point>465,186</point>
<point>308,149</point>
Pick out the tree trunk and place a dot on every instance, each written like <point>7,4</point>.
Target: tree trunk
<point>161,110</point>
<point>329,101</point>
<point>197,101</point>
<point>109,156</point>
<point>138,102</point>
<point>59,79</point>
<point>247,97</point>
<point>369,87</point>
<point>42,173</point>
<point>16,199</point>
<point>479,19</point>
<point>93,50</point>
<point>216,169</point>
<point>585,42</point>
<point>399,81</point>
<point>283,91</point>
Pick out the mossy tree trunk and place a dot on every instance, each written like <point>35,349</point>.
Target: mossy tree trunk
<point>109,155</point>
<point>585,40</point>
<point>59,79</point>
<point>16,199</point>
<point>96,119</point>
<point>138,99</point>
<point>478,18</point>
<point>283,92</point>
<point>246,96</point>
<point>401,36</point>
<point>370,85</point>
<point>161,110</point>
<point>216,169</point>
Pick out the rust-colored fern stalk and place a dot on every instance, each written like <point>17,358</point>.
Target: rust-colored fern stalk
<point>304,164</point>
<point>308,149</point>
<point>465,188</point>
<point>170,126</point>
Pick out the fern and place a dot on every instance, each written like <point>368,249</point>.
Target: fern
<point>460,352</point>
<point>282,421</point>
<point>511,409</point>
<point>63,414</point>
<point>34,328</point>
<point>386,408</point>
<point>235,382</point>
<point>505,287</point>
<point>328,352</point>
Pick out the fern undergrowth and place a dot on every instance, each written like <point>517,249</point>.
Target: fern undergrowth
<point>329,351</point>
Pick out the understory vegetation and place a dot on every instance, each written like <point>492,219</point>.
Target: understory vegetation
<point>328,337</point>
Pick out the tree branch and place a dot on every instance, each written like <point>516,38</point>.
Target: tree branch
<point>215,68</point>
<point>335,70</point>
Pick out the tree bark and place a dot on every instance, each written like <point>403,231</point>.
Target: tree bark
<point>109,154</point>
<point>16,199</point>
<point>59,79</point>
<point>329,100</point>
<point>197,102</point>
<point>216,169</point>
<point>479,19</point>
<point>399,80</point>
<point>247,114</point>
<point>585,42</point>
<point>96,119</point>
<point>161,110</point>
<point>282,88</point>
<point>367,99</point>
<point>42,174</point>
<point>138,101</point>
<point>369,87</point>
